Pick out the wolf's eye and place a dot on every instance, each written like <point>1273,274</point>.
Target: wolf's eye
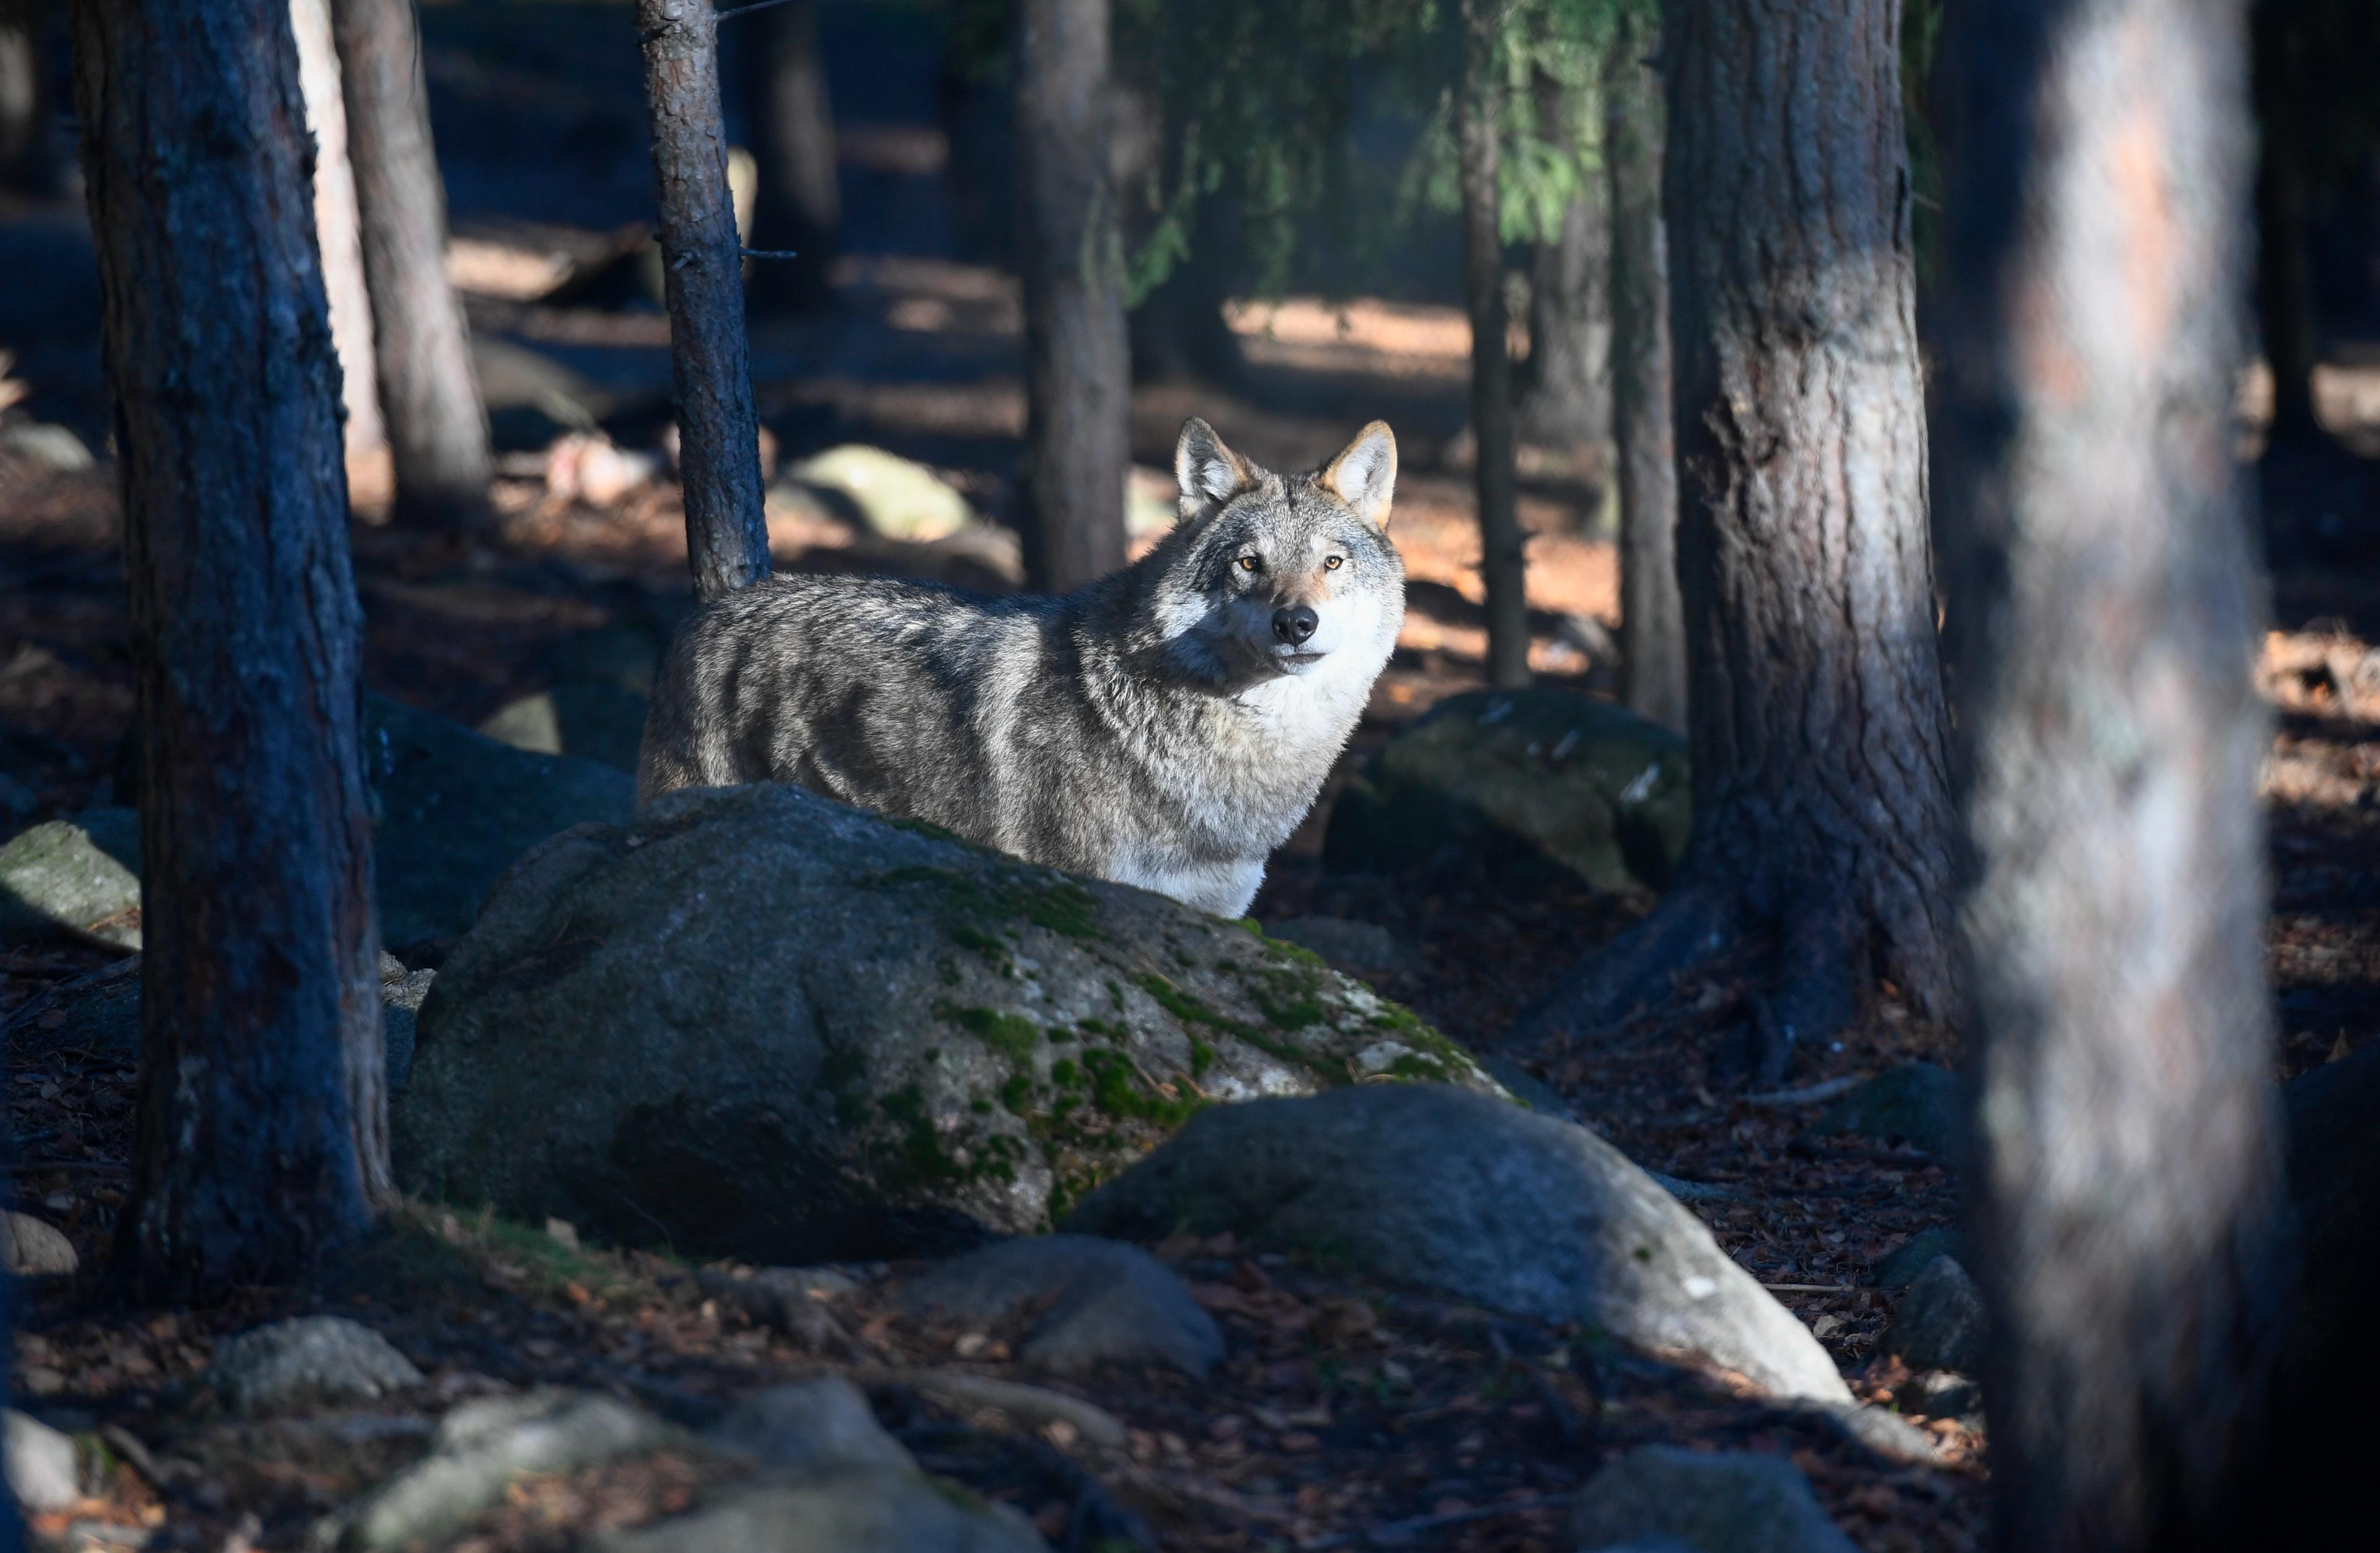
<point>1334,563</point>
<point>1250,563</point>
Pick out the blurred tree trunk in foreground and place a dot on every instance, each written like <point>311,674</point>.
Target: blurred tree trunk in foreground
<point>428,394</point>
<point>1079,373</point>
<point>1503,565</point>
<point>260,1141</point>
<point>1567,400</point>
<point>1645,463</point>
<point>29,160</point>
<point>799,205</point>
<point>338,234</point>
<point>719,435</point>
<point>1822,803</point>
<point>2104,617</point>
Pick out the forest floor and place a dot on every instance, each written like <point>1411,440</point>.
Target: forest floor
<point>1349,1414</point>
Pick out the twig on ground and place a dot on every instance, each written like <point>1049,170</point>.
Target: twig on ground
<point>1810,1096</point>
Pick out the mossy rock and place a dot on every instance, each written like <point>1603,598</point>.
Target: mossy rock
<point>1539,773</point>
<point>757,1022</point>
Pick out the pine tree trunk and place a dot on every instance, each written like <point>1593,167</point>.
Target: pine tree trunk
<point>799,205</point>
<point>261,1133</point>
<point>2107,613</point>
<point>1652,625</point>
<point>337,231</point>
<point>27,162</point>
<point>428,394</point>
<point>719,435</point>
<point>1078,372</point>
<point>1567,402</point>
<point>1503,569</point>
<point>1821,785</point>
<point>2284,284</point>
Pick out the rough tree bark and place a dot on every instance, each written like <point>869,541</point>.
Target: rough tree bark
<point>1567,401</point>
<point>718,436</point>
<point>261,1133</point>
<point>429,394</point>
<point>1822,808</point>
<point>1078,370</point>
<point>2107,615</point>
<point>799,205</point>
<point>1503,566</point>
<point>1652,624</point>
<point>338,232</point>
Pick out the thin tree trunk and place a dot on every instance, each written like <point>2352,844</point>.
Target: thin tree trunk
<point>1567,402</point>
<point>338,233</point>
<point>1078,368</point>
<point>2284,284</point>
<point>1504,570</point>
<point>429,398</point>
<point>1652,624</point>
<point>799,205</point>
<point>2128,1185</point>
<point>1821,783</point>
<point>28,162</point>
<point>261,1133</point>
<point>718,436</point>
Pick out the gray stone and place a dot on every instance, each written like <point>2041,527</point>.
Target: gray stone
<point>1730,1501</point>
<point>766,1025</point>
<point>1898,1267</point>
<point>891,496</point>
<point>453,810</point>
<point>309,1360</point>
<point>595,708</point>
<point>30,1248</point>
<point>1101,1301</point>
<point>1344,942</point>
<point>1921,1104</point>
<point>1940,1323</point>
<point>1941,1394</point>
<point>50,446</point>
<point>1476,1197</point>
<point>73,878</point>
<point>479,1448</point>
<point>39,1464</point>
<point>824,1420</point>
<point>843,1510</point>
<point>1544,772</point>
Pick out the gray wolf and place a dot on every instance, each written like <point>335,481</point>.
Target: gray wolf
<point>1167,726</point>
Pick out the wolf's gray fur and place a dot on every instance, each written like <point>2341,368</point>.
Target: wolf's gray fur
<point>1166,726</point>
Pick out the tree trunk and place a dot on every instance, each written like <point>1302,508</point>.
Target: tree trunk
<point>1822,808</point>
<point>1078,370</point>
<point>2107,603</point>
<point>261,1133</point>
<point>28,164</point>
<point>1504,570</point>
<point>428,394</point>
<point>1652,625</point>
<point>799,205</point>
<point>337,231</point>
<point>2284,281</point>
<point>718,436</point>
<point>1568,400</point>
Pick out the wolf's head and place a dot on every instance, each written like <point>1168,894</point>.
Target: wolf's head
<point>1269,575</point>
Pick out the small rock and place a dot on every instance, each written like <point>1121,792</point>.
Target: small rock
<point>1346,943</point>
<point>312,1359</point>
<point>52,447</point>
<point>1921,1104</point>
<point>479,1448</point>
<point>1477,1197</point>
<point>1940,1323</point>
<point>39,1464</point>
<point>821,1421</point>
<point>1107,1303</point>
<point>1730,1501</point>
<point>1941,1394</point>
<point>847,1509</point>
<point>1898,1267</point>
<point>76,879</point>
<point>31,1248</point>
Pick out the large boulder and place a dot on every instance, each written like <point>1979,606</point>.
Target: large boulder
<point>1095,1303</point>
<point>1476,1197</point>
<point>1721,1502</point>
<point>76,879</point>
<point>758,1022</point>
<point>1543,773</point>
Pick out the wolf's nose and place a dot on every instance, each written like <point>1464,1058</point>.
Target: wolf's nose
<point>1295,624</point>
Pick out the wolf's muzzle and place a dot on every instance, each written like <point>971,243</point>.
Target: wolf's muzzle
<point>1295,624</point>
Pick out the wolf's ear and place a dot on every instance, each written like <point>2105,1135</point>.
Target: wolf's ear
<point>1209,473</point>
<point>1364,473</point>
